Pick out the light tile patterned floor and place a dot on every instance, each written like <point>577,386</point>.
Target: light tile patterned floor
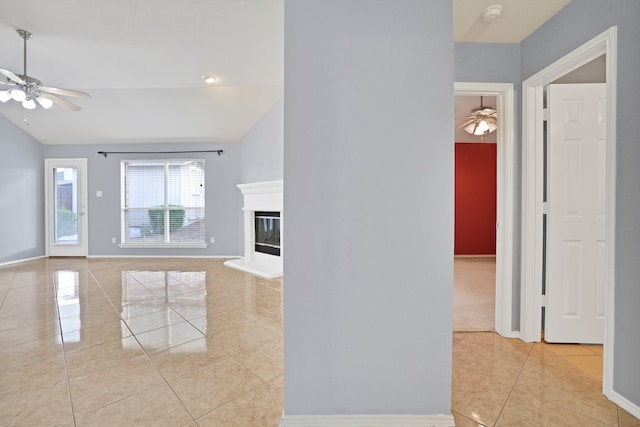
<point>138,342</point>
<point>181,342</point>
<point>474,293</point>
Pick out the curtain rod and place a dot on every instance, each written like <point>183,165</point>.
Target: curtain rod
<point>104,153</point>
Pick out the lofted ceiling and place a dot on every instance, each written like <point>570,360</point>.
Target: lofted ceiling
<point>142,63</point>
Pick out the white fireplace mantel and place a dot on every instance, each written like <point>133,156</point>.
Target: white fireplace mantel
<point>259,196</point>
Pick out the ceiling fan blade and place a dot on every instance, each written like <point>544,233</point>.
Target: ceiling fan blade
<point>468,122</point>
<point>12,76</point>
<point>62,102</point>
<point>66,92</point>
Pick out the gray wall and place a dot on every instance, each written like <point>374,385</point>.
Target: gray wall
<point>369,206</point>
<point>262,148</point>
<point>21,194</point>
<point>577,23</point>
<point>223,200</point>
<point>499,63</point>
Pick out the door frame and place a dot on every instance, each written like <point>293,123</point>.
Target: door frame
<point>504,93</point>
<point>532,189</point>
<point>82,193</point>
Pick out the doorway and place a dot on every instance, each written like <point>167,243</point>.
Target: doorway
<point>505,324</point>
<point>533,188</point>
<point>66,207</point>
<point>474,273</point>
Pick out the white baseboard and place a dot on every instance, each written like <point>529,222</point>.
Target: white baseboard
<point>509,334</point>
<point>166,256</point>
<point>367,421</point>
<point>18,261</point>
<point>624,403</point>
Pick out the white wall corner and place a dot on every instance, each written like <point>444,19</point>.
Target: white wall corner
<point>439,420</point>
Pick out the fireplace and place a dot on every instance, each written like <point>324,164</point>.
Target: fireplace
<point>262,230</point>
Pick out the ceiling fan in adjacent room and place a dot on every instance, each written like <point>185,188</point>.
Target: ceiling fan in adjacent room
<point>481,121</point>
<point>27,90</point>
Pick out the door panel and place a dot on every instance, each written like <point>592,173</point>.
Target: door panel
<point>66,207</point>
<point>576,199</point>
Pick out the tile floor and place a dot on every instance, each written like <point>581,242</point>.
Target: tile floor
<point>474,293</point>
<point>138,342</point>
<point>192,343</point>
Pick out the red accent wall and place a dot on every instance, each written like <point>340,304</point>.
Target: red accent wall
<point>475,198</point>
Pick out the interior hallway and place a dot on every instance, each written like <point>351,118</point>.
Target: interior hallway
<point>189,342</point>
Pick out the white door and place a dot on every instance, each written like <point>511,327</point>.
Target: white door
<point>66,207</point>
<point>576,200</point>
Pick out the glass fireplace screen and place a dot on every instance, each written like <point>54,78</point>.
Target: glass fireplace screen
<point>267,232</point>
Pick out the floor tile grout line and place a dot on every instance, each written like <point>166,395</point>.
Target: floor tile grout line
<point>237,397</point>
<point>117,400</point>
<point>64,353</point>
<point>479,424</point>
<point>513,387</point>
<point>132,335</point>
<point>570,409</point>
<point>9,288</point>
<point>229,356</point>
<point>168,383</point>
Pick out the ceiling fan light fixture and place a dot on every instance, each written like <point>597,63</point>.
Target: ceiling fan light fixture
<point>27,90</point>
<point>482,120</point>
<point>18,95</point>
<point>5,95</point>
<point>482,127</point>
<point>29,104</point>
<point>45,103</point>
<point>477,128</point>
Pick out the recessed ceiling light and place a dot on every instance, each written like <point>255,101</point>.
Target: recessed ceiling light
<point>208,79</point>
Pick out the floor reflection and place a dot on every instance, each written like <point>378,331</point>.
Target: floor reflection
<point>67,286</point>
<point>147,299</point>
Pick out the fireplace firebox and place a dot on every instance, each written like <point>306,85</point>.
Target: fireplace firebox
<point>267,232</point>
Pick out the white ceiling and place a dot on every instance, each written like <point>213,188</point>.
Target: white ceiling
<point>142,64</point>
<point>518,20</point>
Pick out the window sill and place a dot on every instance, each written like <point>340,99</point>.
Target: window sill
<point>163,245</point>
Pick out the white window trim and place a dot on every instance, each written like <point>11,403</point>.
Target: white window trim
<point>149,245</point>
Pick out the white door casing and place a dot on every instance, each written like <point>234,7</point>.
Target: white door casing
<point>576,212</point>
<point>532,195</point>
<point>72,243</point>
<point>504,94</point>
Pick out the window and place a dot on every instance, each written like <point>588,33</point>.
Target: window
<point>162,203</point>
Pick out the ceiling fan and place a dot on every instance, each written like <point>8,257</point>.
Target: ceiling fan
<point>481,120</point>
<point>27,90</point>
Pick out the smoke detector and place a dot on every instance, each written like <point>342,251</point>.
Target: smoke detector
<point>491,13</point>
